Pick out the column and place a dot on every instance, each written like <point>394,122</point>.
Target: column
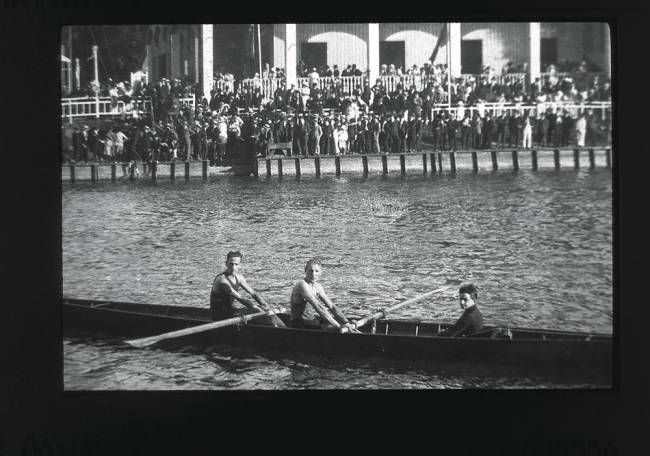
<point>535,43</point>
<point>290,58</point>
<point>373,53</point>
<point>196,56</point>
<point>454,46</point>
<point>607,51</point>
<point>208,70</point>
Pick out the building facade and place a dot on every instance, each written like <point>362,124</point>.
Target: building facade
<point>177,51</point>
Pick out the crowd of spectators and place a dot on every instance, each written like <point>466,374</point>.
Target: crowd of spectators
<point>324,119</point>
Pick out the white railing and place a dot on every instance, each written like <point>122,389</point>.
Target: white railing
<point>81,107</point>
<point>501,79</point>
<point>496,109</point>
<point>267,86</point>
<point>222,84</point>
<point>346,84</point>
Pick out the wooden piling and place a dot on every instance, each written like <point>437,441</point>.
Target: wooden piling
<point>608,157</point>
<point>592,159</point>
<point>402,164</point>
<point>576,158</point>
<point>317,165</point>
<point>452,161</point>
<point>298,170</point>
<point>172,170</point>
<point>113,172</point>
<point>384,164</point>
<point>93,173</point>
<point>440,162</point>
<point>154,170</point>
<point>72,176</point>
<point>268,167</point>
<point>475,161</point>
<point>204,169</point>
<point>145,168</point>
<point>337,164</point>
<point>515,159</point>
<point>432,159</point>
<point>495,162</point>
<point>132,170</point>
<point>424,163</point>
<point>533,157</point>
<point>364,162</point>
<point>280,168</point>
<point>556,158</point>
<point>187,169</point>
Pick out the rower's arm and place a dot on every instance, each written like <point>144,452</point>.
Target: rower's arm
<point>322,311</point>
<point>245,301</point>
<point>332,308</point>
<point>253,293</point>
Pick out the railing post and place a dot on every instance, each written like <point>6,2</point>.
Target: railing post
<point>113,172</point>
<point>280,169</point>
<point>337,164</point>
<point>187,169</point>
<point>93,173</point>
<point>97,105</point>
<point>69,111</point>
<point>268,167</point>
<point>317,165</point>
<point>72,176</point>
<point>533,157</point>
<point>172,170</point>
<point>495,162</point>
<point>402,164</point>
<point>424,163</point>
<point>364,162</point>
<point>298,170</point>
<point>452,161</point>
<point>204,169</point>
<point>608,156</point>
<point>515,160</point>
<point>556,158</point>
<point>440,162</point>
<point>384,164</point>
<point>154,169</point>
<point>474,161</point>
<point>432,159</point>
<point>576,158</point>
<point>132,170</point>
<point>592,159</point>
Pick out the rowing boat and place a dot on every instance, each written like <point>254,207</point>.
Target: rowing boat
<point>394,338</point>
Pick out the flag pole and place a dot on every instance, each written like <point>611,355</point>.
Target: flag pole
<point>95,50</point>
<point>448,67</point>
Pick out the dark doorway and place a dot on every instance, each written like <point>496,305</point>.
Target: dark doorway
<point>313,54</point>
<point>162,66</point>
<point>392,52</point>
<point>471,56</point>
<point>548,52</point>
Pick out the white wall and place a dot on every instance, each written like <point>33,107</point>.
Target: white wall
<point>502,42</point>
<point>346,43</point>
<point>419,41</point>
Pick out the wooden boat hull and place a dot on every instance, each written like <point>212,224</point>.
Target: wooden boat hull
<point>401,339</point>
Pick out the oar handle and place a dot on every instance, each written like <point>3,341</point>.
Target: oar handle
<point>382,313</point>
<point>146,341</point>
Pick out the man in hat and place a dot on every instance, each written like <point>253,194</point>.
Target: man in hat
<point>299,135</point>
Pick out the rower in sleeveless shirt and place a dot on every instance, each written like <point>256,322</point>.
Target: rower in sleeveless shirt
<point>226,290</point>
<point>310,306</point>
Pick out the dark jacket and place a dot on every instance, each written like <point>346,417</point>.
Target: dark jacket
<point>470,322</point>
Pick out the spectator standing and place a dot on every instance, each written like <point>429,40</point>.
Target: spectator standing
<point>527,132</point>
<point>581,130</point>
<point>120,138</point>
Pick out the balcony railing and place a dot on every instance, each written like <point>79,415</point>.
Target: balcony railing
<point>83,107</point>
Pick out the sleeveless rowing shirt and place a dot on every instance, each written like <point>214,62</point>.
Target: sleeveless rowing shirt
<point>221,301</point>
<point>301,309</point>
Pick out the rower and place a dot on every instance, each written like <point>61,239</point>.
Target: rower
<point>311,308</point>
<point>225,291</point>
<point>472,320</point>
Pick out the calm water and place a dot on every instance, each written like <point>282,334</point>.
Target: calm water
<point>537,244</point>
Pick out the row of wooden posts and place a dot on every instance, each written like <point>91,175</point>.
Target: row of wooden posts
<point>153,166</point>
<point>426,157</point>
<point>452,161</point>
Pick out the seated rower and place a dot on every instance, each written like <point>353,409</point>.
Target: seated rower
<point>472,320</point>
<point>225,290</point>
<point>310,306</point>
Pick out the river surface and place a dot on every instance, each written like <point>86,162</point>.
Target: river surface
<point>537,244</point>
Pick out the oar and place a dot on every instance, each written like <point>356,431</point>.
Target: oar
<point>146,341</point>
<point>382,313</point>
